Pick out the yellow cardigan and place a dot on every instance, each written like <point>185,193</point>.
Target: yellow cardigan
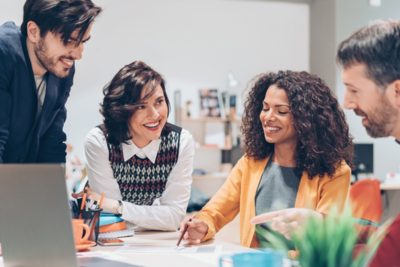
<point>239,190</point>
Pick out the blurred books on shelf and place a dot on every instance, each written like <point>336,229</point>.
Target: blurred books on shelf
<point>210,103</point>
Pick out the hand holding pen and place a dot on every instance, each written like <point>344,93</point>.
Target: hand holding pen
<point>193,230</point>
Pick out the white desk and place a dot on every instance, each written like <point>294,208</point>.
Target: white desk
<point>165,259</point>
<point>390,186</point>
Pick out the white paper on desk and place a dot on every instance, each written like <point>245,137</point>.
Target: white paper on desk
<point>159,248</point>
<point>101,254</point>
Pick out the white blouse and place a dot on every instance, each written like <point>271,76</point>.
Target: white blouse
<point>166,212</point>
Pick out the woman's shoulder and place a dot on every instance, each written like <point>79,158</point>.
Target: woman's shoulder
<point>95,139</point>
<point>185,135</point>
<point>251,163</point>
<point>342,169</point>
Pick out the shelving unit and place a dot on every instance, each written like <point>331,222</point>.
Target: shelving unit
<point>215,161</point>
<point>209,158</point>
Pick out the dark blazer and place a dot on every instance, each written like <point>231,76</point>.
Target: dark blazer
<point>23,138</point>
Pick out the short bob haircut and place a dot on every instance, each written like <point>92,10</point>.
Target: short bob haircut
<point>376,45</point>
<point>122,99</point>
<point>323,133</point>
<point>60,16</point>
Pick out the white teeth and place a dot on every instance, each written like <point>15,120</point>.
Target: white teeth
<point>68,62</point>
<point>152,125</point>
<point>272,129</point>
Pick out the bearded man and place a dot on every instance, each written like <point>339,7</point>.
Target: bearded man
<point>371,73</point>
<point>36,74</point>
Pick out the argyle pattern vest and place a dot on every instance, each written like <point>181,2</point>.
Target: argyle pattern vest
<point>140,181</point>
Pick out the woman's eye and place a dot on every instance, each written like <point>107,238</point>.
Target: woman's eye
<point>265,109</point>
<point>159,102</point>
<point>140,107</point>
<point>283,112</point>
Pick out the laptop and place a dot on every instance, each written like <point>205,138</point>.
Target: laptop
<point>35,218</point>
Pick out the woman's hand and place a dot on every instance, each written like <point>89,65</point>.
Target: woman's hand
<point>286,221</point>
<point>90,195</point>
<point>197,230</point>
<point>108,205</point>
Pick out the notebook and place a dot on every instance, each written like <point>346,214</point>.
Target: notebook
<point>116,234</point>
<point>106,218</point>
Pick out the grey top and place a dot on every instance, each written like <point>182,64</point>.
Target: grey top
<point>41,85</point>
<point>277,190</point>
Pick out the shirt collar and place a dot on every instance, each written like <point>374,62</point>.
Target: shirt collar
<point>151,150</point>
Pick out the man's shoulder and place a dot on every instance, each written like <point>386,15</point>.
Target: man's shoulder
<point>10,40</point>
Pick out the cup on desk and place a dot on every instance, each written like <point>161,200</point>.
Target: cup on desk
<point>78,226</point>
<point>267,258</point>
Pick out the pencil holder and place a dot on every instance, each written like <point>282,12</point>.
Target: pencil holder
<point>91,218</point>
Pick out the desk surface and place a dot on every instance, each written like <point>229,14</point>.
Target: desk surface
<point>390,186</point>
<point>167,259</point>
<point>172,259</point>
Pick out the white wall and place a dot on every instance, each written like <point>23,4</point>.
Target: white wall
<point>352,15</point>
<point>193,43</point>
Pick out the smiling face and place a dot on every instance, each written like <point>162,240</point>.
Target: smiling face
<point>51,54</point>
<point>147,122</point>
<point>379,115</point>
<point>276,118</point>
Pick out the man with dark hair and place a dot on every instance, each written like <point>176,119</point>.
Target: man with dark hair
<point>36,75</point>
<point>370,58</point>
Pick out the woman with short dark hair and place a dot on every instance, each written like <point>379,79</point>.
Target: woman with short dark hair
<point>298,151</point>
<point>143,163</point>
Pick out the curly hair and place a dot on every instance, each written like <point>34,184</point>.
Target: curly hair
<point>122,99</point>
<point>324,138</point>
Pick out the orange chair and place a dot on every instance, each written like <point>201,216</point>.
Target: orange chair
<point>365,199</point>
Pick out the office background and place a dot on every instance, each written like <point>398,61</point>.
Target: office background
<point>194,43</point>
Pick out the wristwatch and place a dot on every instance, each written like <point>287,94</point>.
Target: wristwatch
<point>119,208</point>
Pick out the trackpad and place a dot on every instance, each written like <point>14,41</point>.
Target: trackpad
<point>100,262</point>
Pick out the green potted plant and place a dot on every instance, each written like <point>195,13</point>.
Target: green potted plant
<point>329,242</point>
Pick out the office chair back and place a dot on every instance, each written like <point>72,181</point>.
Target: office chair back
<point>365,199</point>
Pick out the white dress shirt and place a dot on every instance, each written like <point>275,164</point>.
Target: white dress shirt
<point>167,212</point>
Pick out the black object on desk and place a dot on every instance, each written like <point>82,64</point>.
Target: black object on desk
<point>88,217</point>
<point>363,159</point>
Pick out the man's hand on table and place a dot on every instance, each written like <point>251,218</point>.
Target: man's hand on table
<point>197,230</point>
<point>286,221</point>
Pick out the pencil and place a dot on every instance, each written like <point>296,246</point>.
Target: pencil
<point>97,215</point>
<point>184,232</point>
<point>83,201</point>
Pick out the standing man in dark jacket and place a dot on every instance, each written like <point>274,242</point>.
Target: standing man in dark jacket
<point>370,58</point>
<point>36,75</point>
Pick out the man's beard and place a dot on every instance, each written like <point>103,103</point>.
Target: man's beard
<point>382,120</point>
<point>48,63</point>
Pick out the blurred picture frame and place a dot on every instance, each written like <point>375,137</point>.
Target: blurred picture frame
<point>210,103</point>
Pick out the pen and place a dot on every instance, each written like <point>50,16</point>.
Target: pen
<point>95,218</point>
<point>87,204</point>
<point>183,233</point>
<point>83,201</point>
<point>94,207</point>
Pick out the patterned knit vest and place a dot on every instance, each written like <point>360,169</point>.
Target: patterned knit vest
<point>140,181</point>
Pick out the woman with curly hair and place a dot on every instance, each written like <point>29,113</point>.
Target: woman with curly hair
<point>297,156</point>
<point>143,163</point>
